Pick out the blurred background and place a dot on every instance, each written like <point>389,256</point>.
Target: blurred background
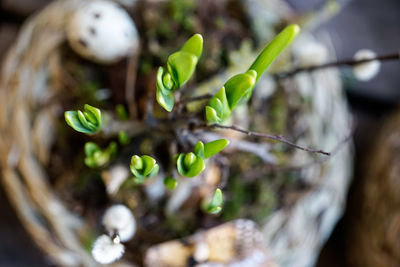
<point>360,24</point>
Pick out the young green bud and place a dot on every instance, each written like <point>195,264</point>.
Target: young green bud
<point>241,86</point>
<point>214,206</point>
<point>96,157</point>
<point>180,67</point>
<point>189,165</point>
<point>88,121</point>
<point>192,164</point>
<point>170,183</point>
<point>143,167</point>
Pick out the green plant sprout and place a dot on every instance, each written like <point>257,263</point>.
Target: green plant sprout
<point>124,138</point>
<point>215,205</point>
<point>180,67</point>
<point>143,167</point>
<point>192,164</point>
<point>121,112</point>
<point>96,157</point>
<point>88,121</point>
<point>170,182</point>
<point>241,86</point>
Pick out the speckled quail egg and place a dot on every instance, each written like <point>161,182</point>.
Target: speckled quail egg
<point>102,31</point>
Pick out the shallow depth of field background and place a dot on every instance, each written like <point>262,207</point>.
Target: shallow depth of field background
<point>361,24</point>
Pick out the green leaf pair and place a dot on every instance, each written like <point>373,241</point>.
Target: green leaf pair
<point>143,167</point>
<point>241,86</point>
<point>96,157</point>
<point>180,68</point>
<point>215,206</point>
<point>192,164</point>
<point>223,102</point>
<point>88,121</point>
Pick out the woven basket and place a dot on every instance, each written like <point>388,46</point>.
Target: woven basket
<point>294,233</point>
<point>374,210</point>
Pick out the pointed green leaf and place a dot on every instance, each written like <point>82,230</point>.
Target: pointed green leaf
<point>112,149</point>
<point>87,122</point>
<point>217,198</point>
<point>121,112</point>
<point>194,45</point>
<point>214,210</point>
<point>189,159</point>
<point>160,82</point>
<point>214,147</point>
<point>170,183</point>
<point>238,86</point>
<point>167,81</point>
<point>181,66</point>
<point>148,163</point>
<point>123,138</point>
<point>90,148</point>
<point>83,120</point>
<point>214,206</point>
<point>143,167</point>
<point>274,48</point>
<point>154,171</point>
<point>96,157</point>
<point>211,115</point>
<point>216,202</point>
<point>166,101</point>
<point>72,119</point>
<point>193,169</point>
<point>196,168</point>
<point>93,115</point>
<point>199,149</point>
<point>137,162</point>
<point>179,164</point>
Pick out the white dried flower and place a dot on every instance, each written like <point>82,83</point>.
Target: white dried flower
<point>120,219</point>
<point>102,31</point>
<point>368,70</point>
<point>105,250</point>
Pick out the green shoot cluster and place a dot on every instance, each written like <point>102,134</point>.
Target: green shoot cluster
<point>192,163</point>
<point>180,67</point>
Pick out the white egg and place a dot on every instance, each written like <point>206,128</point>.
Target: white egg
<point>120,219</point>
<point>102,31</point>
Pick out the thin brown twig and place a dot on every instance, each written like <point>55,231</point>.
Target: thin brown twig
<point>278,138</point>
<point>268,168</point>
<point>346,62</point>
<point>319,161</point>
<point>130,82</point>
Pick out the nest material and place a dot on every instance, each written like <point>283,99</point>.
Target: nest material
<point>294,233</point>
<point>375,225</point>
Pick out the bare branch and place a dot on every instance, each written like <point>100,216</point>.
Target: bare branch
<point>130,82</point>
<point>268,168</point>
<point>261,150</point>
<point>278,138</point>
<point>347,62</point>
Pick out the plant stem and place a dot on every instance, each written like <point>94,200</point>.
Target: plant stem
<point>278,138</point>
<point>346,62</point>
